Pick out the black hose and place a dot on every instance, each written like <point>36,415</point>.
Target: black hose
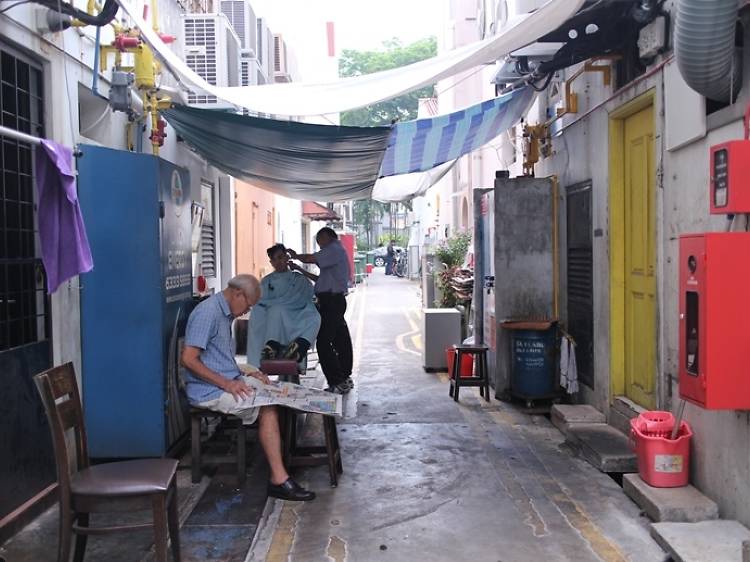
<point>546,83</point>
<point>106,15</point>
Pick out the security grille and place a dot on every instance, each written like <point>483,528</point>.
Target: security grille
<point>24,306</point>
<point>580,267</point>
<point>200,54</point>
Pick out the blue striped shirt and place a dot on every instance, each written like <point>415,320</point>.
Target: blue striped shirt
<point>209,328</point>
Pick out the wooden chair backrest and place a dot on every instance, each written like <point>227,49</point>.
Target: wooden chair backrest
<point>62,402</point>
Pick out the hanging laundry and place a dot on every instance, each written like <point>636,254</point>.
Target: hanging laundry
<point>568,368</point>
<point>62,235</point>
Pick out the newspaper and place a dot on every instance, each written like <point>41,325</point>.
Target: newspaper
<point>294,396</point>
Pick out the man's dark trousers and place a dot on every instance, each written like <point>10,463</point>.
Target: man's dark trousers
<point>334,343</point>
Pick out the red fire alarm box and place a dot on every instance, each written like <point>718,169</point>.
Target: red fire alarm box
<point>714,342</point>
<point>730,178</point>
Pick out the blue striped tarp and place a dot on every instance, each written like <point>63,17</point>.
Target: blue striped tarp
<point>417,146</point>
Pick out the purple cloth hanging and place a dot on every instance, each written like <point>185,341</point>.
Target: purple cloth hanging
<point>65,247</point>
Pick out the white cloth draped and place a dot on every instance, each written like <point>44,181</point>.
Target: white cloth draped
<point>298,99</point>
<point>568,367</point>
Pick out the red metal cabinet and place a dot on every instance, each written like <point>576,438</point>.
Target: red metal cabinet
<point>714,345</point>
<point>349,243</point>
<point>730,178</point>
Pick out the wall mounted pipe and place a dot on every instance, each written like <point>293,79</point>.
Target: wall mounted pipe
<point>704,48</point>
<point>95,79</point>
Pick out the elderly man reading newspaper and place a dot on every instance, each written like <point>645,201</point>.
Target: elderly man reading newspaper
<point>216,382</point>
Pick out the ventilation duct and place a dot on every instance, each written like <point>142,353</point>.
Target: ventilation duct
<point>704,48</point>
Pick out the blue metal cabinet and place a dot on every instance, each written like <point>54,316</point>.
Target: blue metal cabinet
<point>135,301</point>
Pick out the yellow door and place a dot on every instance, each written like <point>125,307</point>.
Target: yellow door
<point>640,258</point>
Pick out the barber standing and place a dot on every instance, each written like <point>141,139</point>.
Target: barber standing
<point>334,343</point>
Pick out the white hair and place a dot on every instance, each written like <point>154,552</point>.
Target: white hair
<point>245,282</point>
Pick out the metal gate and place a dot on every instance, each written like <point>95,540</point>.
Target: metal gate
<point>26,461</point>
<point>580,279</point>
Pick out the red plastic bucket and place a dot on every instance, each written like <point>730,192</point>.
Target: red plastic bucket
<point>467,362</point>
<point>368,268</point>
<point>662,462</point>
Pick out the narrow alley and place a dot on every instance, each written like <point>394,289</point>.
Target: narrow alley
<point>424,478</point>
<point>428,479</point>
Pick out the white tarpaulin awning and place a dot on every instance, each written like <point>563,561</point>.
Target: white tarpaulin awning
<point>297,99</point>
<point>394,189</point>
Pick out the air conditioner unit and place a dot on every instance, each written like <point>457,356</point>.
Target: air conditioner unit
<point>280,61</point>
<point>242,18</point>
<point>211,49</point>
<point>248,72</point>
<point>500,13</point>
<point>264,50</point>
<point>270,60</point>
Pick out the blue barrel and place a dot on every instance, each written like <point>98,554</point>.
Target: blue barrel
<point>533,363</point>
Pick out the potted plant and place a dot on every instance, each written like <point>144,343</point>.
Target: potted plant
<point>451,252</point>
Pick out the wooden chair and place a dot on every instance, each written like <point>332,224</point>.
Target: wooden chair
<point>124,486</point>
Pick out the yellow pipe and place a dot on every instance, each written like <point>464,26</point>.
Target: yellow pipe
<point>144,68</point>
<point>90,7</point>
<point>154,110</point>
<point>155,15</point>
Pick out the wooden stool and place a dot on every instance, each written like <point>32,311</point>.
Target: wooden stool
<point>197,415</point>
<point>481,376</point>
<point>318,455</point>
<point>293,454</point>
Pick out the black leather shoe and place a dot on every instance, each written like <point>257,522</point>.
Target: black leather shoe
<point>290,491</point>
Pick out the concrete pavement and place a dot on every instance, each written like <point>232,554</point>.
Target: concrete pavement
<point>428,479</point>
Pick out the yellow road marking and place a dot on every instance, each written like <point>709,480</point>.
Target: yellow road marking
<point>416,339</point>
<point>283,536</point>
<point>414,332</point>
<point>574,514</point>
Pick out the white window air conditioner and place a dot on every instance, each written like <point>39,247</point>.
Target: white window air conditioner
<point>499,13</point>
<point>249,71</point>
<point>264,51</point>
<point>280,61</point>
<point>250,75</point>
<point>211,49</point>
<point>242,18</point>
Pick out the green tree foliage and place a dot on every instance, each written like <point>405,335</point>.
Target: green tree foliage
<point>366,213</point>
<point>393,55</point>
<point>401,108</point>
<point>398,240</point>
